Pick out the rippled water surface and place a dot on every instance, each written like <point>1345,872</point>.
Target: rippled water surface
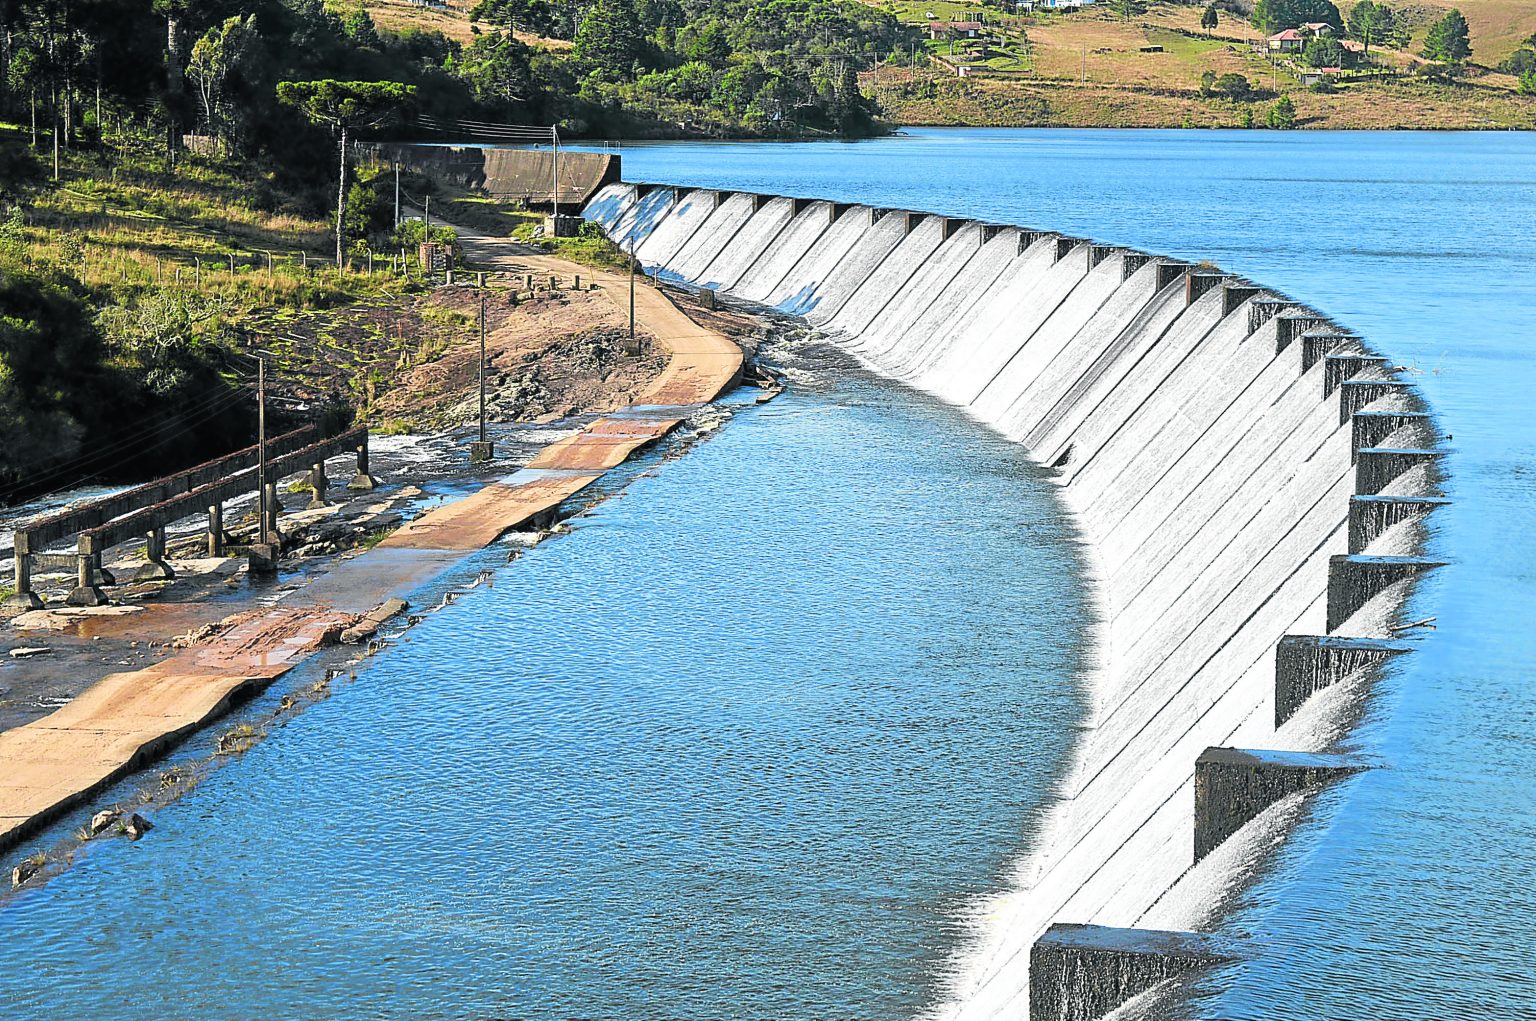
<point>1412,894</point>
<point>745,744</point>
<point>750,741</point>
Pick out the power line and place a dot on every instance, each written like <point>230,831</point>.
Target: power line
<point>199,413</point>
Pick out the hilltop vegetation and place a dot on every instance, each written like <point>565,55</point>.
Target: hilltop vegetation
<point>156,194</point>
<point>1128,63</point>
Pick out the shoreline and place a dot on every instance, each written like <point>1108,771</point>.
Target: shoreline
<point>54,763</point>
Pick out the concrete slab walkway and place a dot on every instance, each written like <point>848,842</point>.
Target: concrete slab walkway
<point>53,763</point>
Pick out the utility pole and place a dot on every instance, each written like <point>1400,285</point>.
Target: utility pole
<point>263,512</point>
<point>397,196</point>
<point>554,172</point>
<point>481,449</point>
<point>482,368</point>
<point>632,292</point>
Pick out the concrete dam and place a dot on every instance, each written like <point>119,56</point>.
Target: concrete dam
<point>1253,484</point>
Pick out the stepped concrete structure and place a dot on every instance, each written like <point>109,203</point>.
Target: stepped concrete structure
<point>1253,483</point>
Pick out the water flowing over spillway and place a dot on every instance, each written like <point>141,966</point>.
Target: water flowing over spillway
<point>1216,443</point>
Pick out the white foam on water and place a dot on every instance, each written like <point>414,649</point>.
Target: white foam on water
<point>1210,479</point>
<point>673,230</point>
<point>609,206</point>
<point>774,263</point>
<point>933,278</point>
<point>712,236</point>
<point>754,236</point>
<point>807,284</point>
<point>890,279</point>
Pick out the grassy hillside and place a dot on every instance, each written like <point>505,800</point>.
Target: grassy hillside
<point>1091,68</point>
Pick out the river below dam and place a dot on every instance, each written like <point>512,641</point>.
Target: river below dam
<point>762,734</point>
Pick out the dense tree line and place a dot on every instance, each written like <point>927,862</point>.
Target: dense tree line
<point>83,77</point>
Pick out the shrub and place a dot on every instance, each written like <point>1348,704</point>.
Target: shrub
<point>1282,115</point>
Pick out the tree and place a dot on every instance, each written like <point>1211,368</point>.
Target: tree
<point>215,59</point>
<point>1128,9</point>
<point>1232,86</point>
<point>174,12</point>
<point>1371,23</point>
<point>1283,114</point>
<point>534,16</point>
<point>346,106</point>
<point>1527,86</point>
<point>500,70</point>
<point>1274,15</point>
<point>1324,51</point>
<point>1449,40</point>
<point>610,40</point>
<point>1209,19</point>
<point>361,30</point>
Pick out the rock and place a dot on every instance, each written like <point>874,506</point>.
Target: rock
<point>24,652</point>
<point>101,820</point>
<point>368,626</point>
<point>23,872</point>
<point>137,826</point>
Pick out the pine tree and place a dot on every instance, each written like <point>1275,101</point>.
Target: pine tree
<point>1283,114</point>
<point>1449,40</point>
<point>610,39</point>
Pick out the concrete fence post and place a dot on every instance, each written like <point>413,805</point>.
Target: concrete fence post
<point>267,531</point>
<point>216,530</point>
<point>91,577</point>
<point>155,567</point>
<point>318,484</point>
<point>362,480</point>
<point>23,598</point>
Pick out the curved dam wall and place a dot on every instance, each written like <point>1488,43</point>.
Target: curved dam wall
<point>1253,483</point>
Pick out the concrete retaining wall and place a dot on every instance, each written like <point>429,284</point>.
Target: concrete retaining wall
<point>1209,435</point>
<point>513,175</point>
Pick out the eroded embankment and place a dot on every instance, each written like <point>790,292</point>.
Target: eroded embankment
<point>1252,480</point>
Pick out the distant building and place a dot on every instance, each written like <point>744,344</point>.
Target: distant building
<point>1352,45</point>
<point>1289,41</point>
<point>1317,28</point>
<point>954,29</point>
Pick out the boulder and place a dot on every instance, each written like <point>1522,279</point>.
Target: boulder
<point>137,826</point>
<point>101,820</point>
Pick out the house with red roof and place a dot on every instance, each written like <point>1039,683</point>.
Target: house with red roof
<point>1292,40</point>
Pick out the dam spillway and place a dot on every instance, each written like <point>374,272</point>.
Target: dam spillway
<point>1210,436</point>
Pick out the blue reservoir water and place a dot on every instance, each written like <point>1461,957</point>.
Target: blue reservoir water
<point>755,739</point>
<point>748,743</point>
<point>1410,894</point>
